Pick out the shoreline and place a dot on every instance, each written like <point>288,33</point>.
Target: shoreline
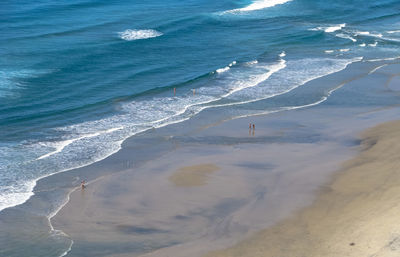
<point>34,183</point>
<point>280,129</point>
<point>187,129</point>
<point>354,215</point>
<point>290,108</point>
<point>304,128</point>
<point>71,210</point>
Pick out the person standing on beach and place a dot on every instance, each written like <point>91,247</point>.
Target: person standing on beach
<point>83,184</point>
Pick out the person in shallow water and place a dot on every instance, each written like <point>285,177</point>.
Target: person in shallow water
<point>83,184</point>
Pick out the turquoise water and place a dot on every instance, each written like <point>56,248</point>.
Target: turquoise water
<point>79,77</point>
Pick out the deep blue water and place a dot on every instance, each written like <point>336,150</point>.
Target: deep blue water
<point>78,77</point>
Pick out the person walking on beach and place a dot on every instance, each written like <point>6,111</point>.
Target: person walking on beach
<point>83,184</point>
<point>252,128</point>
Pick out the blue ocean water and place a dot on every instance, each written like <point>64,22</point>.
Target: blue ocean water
<point>78,77</point>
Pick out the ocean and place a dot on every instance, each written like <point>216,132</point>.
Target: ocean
<point>79,77</point>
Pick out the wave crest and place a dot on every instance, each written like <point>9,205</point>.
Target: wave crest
<point>330,29</point>
<point>258,5</point>
<point>345,36</point>
<point>135,34</point>
<point>226,68</point>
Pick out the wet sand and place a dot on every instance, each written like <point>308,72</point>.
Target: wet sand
<point>205,195</point>
<point>355,215</point>
<point>191,176</point>
<point>218,195</point>
<point>215,187</point>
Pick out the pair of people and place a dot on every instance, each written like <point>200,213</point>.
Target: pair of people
<point>251,131</point>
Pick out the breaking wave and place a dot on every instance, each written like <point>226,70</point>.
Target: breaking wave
<point>258,5</point>
<point>133,34</point>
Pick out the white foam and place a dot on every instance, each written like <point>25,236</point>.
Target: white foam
<point>391,39</point>
<point>158,112</point>
<point>384,59</point>
<point>93,141</point>
<point>345,36</point>
<point>221,70</point>
<point>377,68</point>
<point>393,31</point>
<point>210,95</point>
<point>113,129</point>
<point>330,29</point>
<point>329,51</point>
<point>204,95</point>
<point>344,50</point>
<point>68,250</point>
<point>252,62</point>
<point>59,146</point>
<point>255,80</point>
<point>289,108</point>
<point>134,34</point>
<point>367,33</point>
<point>25,191</point>
<point>364,33</point>
<point>22,190</point>
<point>258,5</point>
<point>283,54</point>
<point>374,44</point>
<point>335,28</point>
<point>379,35</point>
<point>287,80</point>
<point>16,194</point>
<point>362,45</point>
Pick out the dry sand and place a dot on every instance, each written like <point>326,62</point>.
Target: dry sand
<point>190,176</point>
<point>356,215</point>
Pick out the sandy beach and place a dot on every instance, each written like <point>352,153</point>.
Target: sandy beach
<point>355,215</point>
<point>319,181</point>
